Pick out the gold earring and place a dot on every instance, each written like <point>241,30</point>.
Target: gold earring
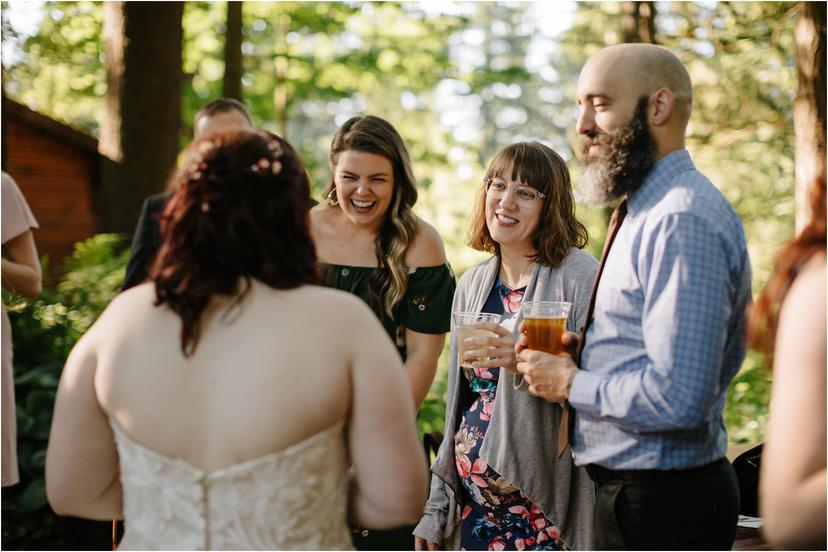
<point>332,200</point>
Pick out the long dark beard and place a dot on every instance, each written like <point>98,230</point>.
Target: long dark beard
<point>628,155</point>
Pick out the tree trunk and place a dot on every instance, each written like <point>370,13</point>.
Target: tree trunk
<point>109,143</point>
<point>280,92</point>
<point>140,130</point>
<point>637,25</point>
<point>232,52</point>
<point>809,104</point>
<point>638,21</point>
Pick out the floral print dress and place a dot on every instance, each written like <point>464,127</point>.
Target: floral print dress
<point>496,515</point>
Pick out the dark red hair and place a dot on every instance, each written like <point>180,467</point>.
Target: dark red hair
<point>240,211</point>
<point>788,261</point>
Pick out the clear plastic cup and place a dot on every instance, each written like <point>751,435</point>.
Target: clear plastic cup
<point>545,324</point>
<point>464,326</point>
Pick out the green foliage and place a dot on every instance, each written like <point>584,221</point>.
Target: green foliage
<point>44,331</point>
<point>62,71</point>
<point>746,416</point>
<point>432,414</point>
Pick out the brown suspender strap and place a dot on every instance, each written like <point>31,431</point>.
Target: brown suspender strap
<point>568,416</point>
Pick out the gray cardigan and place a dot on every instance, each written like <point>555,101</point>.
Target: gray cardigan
<point>522,437</point>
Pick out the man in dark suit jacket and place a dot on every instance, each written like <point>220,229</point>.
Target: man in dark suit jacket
<point>222,115</point>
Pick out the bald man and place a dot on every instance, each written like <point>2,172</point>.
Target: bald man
<point>666,336</point>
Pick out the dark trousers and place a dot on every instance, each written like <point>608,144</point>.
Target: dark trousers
<point>401,538</point>
<point>695,509</point>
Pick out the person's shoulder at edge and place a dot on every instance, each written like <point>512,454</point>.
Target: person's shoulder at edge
<point>807,286</point>
<point>427,247</point>
<point>7,179</point>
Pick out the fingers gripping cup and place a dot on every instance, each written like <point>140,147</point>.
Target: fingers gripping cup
<point>545,324</point>
<point>464,325</point>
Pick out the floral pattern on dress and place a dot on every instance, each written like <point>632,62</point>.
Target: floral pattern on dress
<point>496,515</point>
<point>511,298</point>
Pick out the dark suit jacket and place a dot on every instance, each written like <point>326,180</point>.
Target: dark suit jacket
<point>147,240</point>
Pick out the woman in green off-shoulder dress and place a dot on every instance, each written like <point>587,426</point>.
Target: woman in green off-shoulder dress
<point>370,243</point>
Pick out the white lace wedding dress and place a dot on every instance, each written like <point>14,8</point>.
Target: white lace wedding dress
<point>292,499</point>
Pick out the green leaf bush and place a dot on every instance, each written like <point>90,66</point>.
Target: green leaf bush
<point>44,330</point>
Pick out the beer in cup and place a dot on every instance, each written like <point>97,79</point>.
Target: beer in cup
<point>545,323</point>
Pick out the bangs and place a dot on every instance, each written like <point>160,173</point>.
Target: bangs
<point>528,163</point>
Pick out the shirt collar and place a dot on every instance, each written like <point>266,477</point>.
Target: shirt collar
<point>659,179</point>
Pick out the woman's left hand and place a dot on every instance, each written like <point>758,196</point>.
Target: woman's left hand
<point>499,348</point>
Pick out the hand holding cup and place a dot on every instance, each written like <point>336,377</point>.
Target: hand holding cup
<point>545,349</point>
<point>493,349</point>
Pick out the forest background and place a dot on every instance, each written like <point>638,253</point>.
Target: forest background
<point>459,80</point>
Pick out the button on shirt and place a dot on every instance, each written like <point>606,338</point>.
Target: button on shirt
<point>668,331</point>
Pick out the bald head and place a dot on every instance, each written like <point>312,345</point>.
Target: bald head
<point>643,69</point>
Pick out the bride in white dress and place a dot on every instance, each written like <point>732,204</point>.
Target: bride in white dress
<point>230,403</point>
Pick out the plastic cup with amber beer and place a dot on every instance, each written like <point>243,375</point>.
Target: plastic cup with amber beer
<point>464,326</point>
<point>545,323</point>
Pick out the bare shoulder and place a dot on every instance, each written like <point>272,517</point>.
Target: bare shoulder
<point>807,293</point>
<point>319,215</point>
<point>803,313</point>
<point>427,248</point>
<point>809,285</point>
<point>126,305</point>
<point>336,305</point>
<point>813,273</point>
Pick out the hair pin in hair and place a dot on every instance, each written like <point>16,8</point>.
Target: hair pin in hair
<point>264,164</point>
<point>206,146</point>
<point>205,207</point>
<point>275,147</point>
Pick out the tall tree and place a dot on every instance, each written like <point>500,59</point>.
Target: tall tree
<point>280,91</point>
<point>637,25</point>
<point>139,134</point>
<point>232,52</point>
<point>638,21</point>
<point>809,104</point>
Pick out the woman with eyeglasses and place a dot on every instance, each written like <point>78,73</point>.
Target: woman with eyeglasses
<point>498,482</point>
<point>370,243</point>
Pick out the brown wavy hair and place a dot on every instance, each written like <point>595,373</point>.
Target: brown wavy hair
<point>239,212</point>
<point>788,261</point>
<point>370,134</point>
<point>540,167</point>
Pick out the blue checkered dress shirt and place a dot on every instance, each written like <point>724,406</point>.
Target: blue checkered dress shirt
<point>668,332</point>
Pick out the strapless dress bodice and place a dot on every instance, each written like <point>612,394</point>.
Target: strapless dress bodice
<point>292,499</point>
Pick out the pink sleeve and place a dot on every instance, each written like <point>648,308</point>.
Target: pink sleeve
<point>17,217</point>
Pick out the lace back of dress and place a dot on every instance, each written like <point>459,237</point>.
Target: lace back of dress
<point>292,499</point>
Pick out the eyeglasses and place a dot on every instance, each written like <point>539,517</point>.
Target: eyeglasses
<point>524,195</point>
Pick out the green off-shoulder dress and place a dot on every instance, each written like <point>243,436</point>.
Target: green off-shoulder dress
<point>426,307</point>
